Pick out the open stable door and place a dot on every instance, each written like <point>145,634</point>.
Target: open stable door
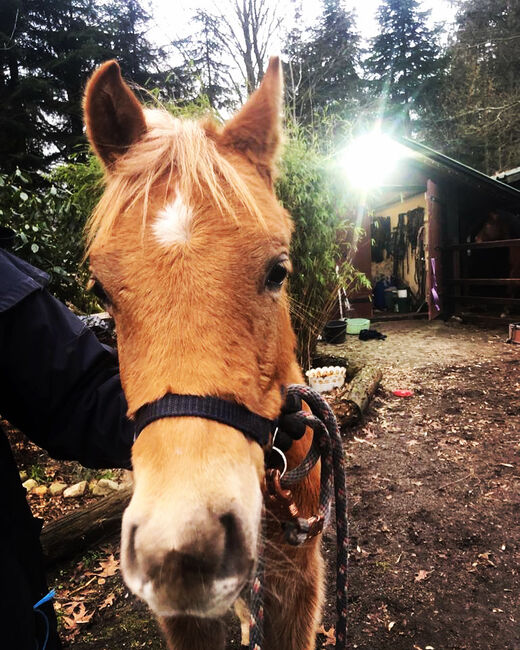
<point>361,300</point>
<point>434,276</point>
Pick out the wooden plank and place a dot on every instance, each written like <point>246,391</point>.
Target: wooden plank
<point>484,319</point>
<point>500,243</point>
<point>487,299</point>
<point>433,249</point>
<point>486,281</point>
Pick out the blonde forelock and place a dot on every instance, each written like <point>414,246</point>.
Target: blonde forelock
<point>170,147</point>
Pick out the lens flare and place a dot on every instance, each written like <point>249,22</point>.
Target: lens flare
<point>370,159</point>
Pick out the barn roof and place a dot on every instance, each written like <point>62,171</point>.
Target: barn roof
<point>426,157</point>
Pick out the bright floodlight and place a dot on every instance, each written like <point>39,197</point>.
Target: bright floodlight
<point>370,159</point>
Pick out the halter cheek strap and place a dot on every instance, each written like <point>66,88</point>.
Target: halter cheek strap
<point>253,426</point>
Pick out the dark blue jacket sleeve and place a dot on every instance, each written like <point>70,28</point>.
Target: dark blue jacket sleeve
<point>58,384</point>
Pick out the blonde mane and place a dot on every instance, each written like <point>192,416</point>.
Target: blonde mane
<point>169,146</point>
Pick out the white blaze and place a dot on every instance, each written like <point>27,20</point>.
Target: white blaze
<point>173,223</point>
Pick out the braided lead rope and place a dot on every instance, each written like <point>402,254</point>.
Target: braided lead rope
<point>326,444</point>
<point>256,620</point>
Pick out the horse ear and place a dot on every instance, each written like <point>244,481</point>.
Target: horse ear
<point>113,116</point>
<point>256,129</point>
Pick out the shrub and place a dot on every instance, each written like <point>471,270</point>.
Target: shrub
<point>47,214</point>
<point>310,187</point>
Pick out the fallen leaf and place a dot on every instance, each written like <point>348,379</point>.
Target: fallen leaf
<point>77,614</point>
<point>109,601</point>
<point>109,567</point>
<point>330,635</point>
<point>422,575</point>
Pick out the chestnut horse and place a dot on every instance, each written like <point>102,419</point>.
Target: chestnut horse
<point>191,248</point>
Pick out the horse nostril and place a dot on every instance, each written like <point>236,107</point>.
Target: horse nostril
<point>191,571</point>
<point>130,549</point>
<point>234,545</point>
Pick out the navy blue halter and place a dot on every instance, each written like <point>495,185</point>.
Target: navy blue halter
<point>253,426</point>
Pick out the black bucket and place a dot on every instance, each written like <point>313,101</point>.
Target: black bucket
<point>335,331</point>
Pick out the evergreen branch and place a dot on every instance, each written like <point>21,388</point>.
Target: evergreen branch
<point>4,49</point>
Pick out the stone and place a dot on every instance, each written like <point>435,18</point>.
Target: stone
<point>23,476</point>
<point>103,487</point>
<point>57,488</point>
<point>108,484</point>
<point>97,491</point>
<point>41,490</point>
<point>30,484</point>
<point>76,490</point>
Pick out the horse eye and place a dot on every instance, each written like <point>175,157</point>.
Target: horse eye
<point>276,276</point>
<point>96,288</point>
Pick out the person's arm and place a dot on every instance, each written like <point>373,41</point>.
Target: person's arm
<point>59,385</point>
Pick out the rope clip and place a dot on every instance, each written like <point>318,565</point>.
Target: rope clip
<point>281,505</point>
<point>299,531</point>
<point>279,501</point>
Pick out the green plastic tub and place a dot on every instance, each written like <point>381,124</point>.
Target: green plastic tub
<point>355,325</point>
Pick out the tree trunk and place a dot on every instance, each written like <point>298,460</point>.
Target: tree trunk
<point>66,537</point>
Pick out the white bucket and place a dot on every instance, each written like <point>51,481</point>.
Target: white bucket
<point>324,379</point>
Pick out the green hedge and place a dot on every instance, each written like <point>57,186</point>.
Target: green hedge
<point>48,214</point>
<point>312,188</point>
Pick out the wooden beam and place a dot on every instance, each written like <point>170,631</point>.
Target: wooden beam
<point>486,281</point>
<point>487,299</point>
<point>499,243</point>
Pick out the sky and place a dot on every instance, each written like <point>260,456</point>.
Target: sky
<point>171,17</point>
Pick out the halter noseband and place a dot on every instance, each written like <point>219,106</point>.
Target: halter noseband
<point>251,424</point>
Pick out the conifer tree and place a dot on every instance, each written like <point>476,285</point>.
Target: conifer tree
<point>48,48</point>
<point>476,117</point>
<point>203,53</point>
<point>323,64</point>
<point>403,63</point>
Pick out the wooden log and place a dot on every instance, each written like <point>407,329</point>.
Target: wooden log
<point>353,401</point>
<point>66,537</point>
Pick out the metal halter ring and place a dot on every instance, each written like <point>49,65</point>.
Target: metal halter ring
<point>280,452</point>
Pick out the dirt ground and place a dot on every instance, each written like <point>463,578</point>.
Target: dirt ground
<point>434,503</point>
<point>434,492</point>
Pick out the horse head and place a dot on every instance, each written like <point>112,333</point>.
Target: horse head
<point>191,249</point>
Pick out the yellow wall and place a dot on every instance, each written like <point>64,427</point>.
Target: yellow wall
<point>393,211</point>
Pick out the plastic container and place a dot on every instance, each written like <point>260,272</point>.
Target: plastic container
<point>390,298</point>
<point>326,378</point>
<point>403,305</point>
<point>355,325</point>
<point>335,331</point>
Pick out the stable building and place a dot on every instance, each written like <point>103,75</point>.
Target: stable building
<point>446,235</point>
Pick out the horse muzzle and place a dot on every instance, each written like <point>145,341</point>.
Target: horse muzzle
<point>198,570</point>
<point>190,532</point>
